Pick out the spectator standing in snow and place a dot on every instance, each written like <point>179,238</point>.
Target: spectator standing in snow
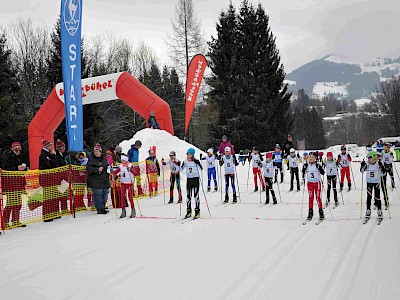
<point>133,156</point>
<point>287,145</point>
<point>153,121</point>
<point>225,143</point>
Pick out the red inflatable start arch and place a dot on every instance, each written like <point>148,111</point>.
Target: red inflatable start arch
<point>116,86</point>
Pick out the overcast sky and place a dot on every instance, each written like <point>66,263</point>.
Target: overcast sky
<point>305,29</point>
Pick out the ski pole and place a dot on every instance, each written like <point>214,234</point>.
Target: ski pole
<point>137,201</point>
<point>237,181</point>
<point>202,188</point>
<point>260,194</point>
<point>385,196</point>
<point>220,180</point>
<point>323,192</point>
<point>341,192</point>
<point>163,185</point>
<point>279,192</point>
<point>352,174</point>
<point>394,167</point>
<point>361,202</point>
<point>115,205</point>
<point>302,198</point>
<point>248,175</point>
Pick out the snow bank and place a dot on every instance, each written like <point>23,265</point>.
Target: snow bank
<point>164,142</point>
<point>325,88</point>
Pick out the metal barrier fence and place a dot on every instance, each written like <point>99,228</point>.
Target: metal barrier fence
<point>41,195</point>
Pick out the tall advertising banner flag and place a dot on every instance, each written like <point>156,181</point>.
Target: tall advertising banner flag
<point>71,25</point>
<point>195,74</point>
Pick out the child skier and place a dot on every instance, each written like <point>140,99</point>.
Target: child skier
<point>374,169</point>
<point>383,182</point>
<point>314,171</point>
<point>293,161</point>
<point>268,170</point>
<point>192,167</point>
<point>387,157</point>
<point>305,157</point>
<point>344,159</point>
<point>257,159</point>
<point>152,171</point>
<point>242,157</point>
<point>175,166</point>
<point>277,158</point>
<point>211,170</point>
<point>126,173</point>
<point>331,167</point>
<point>229,162</point>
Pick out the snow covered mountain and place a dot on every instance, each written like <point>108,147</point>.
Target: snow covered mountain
<point>345,78</point>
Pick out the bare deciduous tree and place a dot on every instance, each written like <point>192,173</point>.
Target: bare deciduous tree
<point>143,58</point>
<point>186,39</point>
<point>387,101</point>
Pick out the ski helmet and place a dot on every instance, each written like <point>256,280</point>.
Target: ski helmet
<point>277,146</point>
<point>172,153</point>
<point>228,149</point>
<point>292,150</point>
<point>191,151</point>
<point>210,150</point>
<point>138,143</point>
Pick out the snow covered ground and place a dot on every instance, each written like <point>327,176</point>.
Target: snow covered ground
<point>243,251</point>
<point>322,89</point>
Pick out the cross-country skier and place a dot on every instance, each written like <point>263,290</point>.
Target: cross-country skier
<point>152,171</point>
<point>211,170</point>
<point>175,166</point>
<point>192,167</point>
<point>387,157</point>
<point>344,159</point>
<point>256,157</point>
<point>126,173</point>
<point>268,171</point>
<point>293,161</point>
<point>313,170</point>
<point>229,162</point>
<point>331,168</point>
<point>373,170</point>
<point>383,182</point>
<point>278,160</point>
<point>242,157</point>
<point>305,157</point>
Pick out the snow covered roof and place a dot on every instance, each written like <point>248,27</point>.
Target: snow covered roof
<point>362,101</point>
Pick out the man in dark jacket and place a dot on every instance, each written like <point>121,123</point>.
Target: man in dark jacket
<point>98,178</point>
<point>13,185</point>
<point>287,145</point>
<point>61,154</point>
<point>49,182</point>
<point>62,158</point>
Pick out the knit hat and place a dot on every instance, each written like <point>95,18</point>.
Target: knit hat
<point>151,151</point>
<point>372,154</point>
<point>292,150</point>
<point>124,157</point>
<point>268,155</point>
<point>210,150</point>
<point>112,148</point>
<point>224,138</point>
<point>16,146</point>
<point>313,154</point>
<point>46,143</point>
<point>191,151</point>
<point>118,148</point>
<point>343,147</point>
<point>98,147</point>
<point>329,154</point>
<point>60,144</point>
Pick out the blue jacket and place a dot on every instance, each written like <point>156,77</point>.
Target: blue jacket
<point>133,154</point>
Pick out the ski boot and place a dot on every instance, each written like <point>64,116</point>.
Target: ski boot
<point>291,189</point>
<point>267,200</point>
<point>256,189</point>
<point>393,185</point>
<point>336,202</point>
<point>171,200</point>
<point>380,215</point>
<point>215,189</point>
<point>328,201</point>
<point>298,188</point>
<point>123,213</point>
<point>349,187</point>
<point>234,198</point>
<point>263,189</point>
<point>226,198</point>
<point>188,213</point>
<point>133,213</point>
<point>208,189</point>
<point>274,199</point>
<point>368,214</point>
<point>321,214</point>
<point>310,214</point>
<point>341,186</point>
<point>196,213</point>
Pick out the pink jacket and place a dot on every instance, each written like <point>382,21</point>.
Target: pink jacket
<point>222,146</point>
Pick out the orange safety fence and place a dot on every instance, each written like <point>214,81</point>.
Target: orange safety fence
<point>41,195</point>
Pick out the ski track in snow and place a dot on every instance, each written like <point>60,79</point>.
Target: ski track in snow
<point>244,251</point>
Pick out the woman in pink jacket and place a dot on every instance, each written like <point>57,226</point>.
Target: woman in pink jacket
<point>225,143</point>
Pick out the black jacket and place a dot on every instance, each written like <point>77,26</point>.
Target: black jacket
<point>12,161</point>
<point>95,179</point>
<point>61,158</point>
<point>47,160</point>
<point>286,148</point>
